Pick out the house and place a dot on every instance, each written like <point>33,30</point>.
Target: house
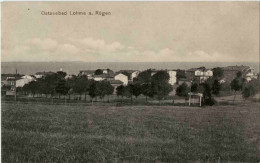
<point>172,75</point>
<point>229,73</point>
<point>24,80</point>
<point>201,74</point>
<point>130,73</point>
<point>121,77</point>
<point>115,84</point>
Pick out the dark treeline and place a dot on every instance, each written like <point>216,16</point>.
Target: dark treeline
<point>154,86</point>
<point>56,84</point>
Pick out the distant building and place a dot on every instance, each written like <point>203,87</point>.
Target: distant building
<point>121,77</point>
<point>88,73</point>
<point>201,74</point>
<point>24,80</point>
<point>130,73</point>
<point>229,73</point>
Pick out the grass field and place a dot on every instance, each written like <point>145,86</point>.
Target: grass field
<point>59,133</point>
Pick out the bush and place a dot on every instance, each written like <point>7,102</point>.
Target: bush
<point>210,101</point>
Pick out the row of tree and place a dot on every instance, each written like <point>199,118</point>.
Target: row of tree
<point>57,84</point>
<point>150,85</point>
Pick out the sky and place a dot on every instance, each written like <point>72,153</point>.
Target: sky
<point>134,32</point>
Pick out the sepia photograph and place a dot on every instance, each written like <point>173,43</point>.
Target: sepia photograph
<point>161,81</point>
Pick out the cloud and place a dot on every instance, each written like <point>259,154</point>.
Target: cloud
<point>97,45</point>
<point>89,49</point>
<point>44,44</point>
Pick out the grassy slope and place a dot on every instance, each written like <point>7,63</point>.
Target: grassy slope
<point>56,133</point>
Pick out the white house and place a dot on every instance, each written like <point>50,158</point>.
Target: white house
<point>173,77</point>
<point>121,77</point>
<point>24,80</point>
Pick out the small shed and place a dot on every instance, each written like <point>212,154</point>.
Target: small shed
<point>192,99</point>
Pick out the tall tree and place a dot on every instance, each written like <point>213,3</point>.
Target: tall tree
<point>181,74</point>
<point>62,88</point>
<point>146,90</point>
<point>144,77</point>
<point>218,73</point>
<point>194,87</point>
<point>120,91</point>
<point>237,84</point>
<point>216,87</point>
<point>182,90</point>
<point>137,89</point>
<point>93,89</point>
<point>160,85</point>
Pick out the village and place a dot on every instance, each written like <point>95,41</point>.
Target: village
<point>16,84</point>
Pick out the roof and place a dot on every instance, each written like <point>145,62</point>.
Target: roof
<point>104,76</point>
<point>119,74</point>
<point>44,73</point>
<point>199,68</point>
<point>128,71</point>
<point>115,82</point>
<point>195,94</point>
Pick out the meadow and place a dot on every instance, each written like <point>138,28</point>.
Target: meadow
<point>76,133</point>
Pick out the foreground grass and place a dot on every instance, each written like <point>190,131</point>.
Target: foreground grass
<point>56,133</point>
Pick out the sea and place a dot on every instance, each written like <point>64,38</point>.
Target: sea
<point>30,68</point>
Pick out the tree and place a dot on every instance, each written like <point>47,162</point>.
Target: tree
<point>248,91</point>
<point>71,83</point>
<point>61,74</point>
<point>109,90</point>
<point>146,90</point>
<point>137,89</point>
<point>216,87</point>
<point>194,87</point>
<point>160,85</point>
<point>93,89</point>
<point>182,90</point>
<point>181,74</point>
<point>251,88</point>
<point>62,88</point>
<point>81,86</point>
<point>33,87</point>
<point>98,72</point>
<point>237,84</point>
<point>102,88</point>
<point>120,91</point>
<point>218,72</point>
<point>144,77</point>
<point>129,89</point>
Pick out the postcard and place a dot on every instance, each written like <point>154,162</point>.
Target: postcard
<point>130,81</point>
